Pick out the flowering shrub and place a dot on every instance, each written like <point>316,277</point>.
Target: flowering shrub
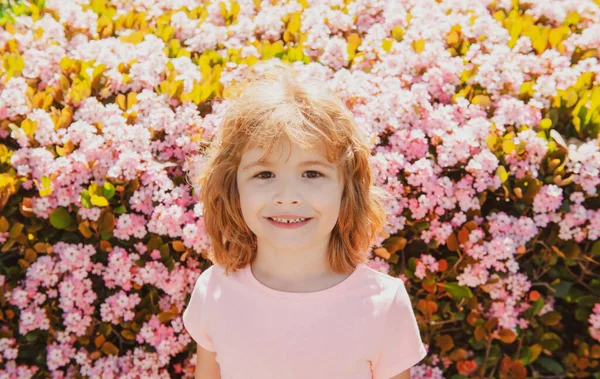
<point>483,117</point>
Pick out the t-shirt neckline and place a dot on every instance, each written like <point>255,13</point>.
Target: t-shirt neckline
<point>327,292</point>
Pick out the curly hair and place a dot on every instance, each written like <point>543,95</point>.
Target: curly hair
<point>271,104</point>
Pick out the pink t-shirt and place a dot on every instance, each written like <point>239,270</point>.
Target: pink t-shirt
<point>361,328</point>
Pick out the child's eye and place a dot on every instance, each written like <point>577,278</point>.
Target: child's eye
<point>260,173</point>
<point>316,172</point>
<point>269,172</point>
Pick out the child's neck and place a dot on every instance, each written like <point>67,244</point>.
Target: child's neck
<point>297,281</point>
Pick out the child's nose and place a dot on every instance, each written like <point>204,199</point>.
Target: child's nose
<point>287,194</point>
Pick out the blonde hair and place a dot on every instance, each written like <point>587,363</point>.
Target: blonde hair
<point>270,103</point>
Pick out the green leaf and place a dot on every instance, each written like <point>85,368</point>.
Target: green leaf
<point>164,251</point>
<point>412,263</point>
<point>537,306</point>
<point>422,225</point>
<point>587,300</point>
<point>551,341</point>
<point>582,314</point>
<point>32,336</point>
<point>108,190</point>
<point>562,289</point>
<point>551,318</point>
<point>550,365</point>
<point>105,328</point>
<point>120,209</point>
<point>530,354</point>
<point>85,199</point>
<point>60,218</point>
<point>457,291</point>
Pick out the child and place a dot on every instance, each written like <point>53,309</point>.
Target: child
<point>291,210</point>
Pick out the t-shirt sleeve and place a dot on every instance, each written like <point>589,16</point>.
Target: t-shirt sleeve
<point>401,347</point>
<point>194,316</point>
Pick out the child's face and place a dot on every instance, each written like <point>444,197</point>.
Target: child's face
<point>292,188</point>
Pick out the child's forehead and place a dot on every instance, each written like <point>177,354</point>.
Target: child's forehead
<point>281,151</point>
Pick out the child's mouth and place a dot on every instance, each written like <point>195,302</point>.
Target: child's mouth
<point>289,225</point>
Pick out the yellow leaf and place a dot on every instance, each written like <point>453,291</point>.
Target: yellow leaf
<point>205,92</point>
<point>45,192</point>
<point>64,120</point>
<point>555,36</point>
<point>571,98</point>
<point>499,15</point>
<point>516,29</point>
<point>527,88</point>
<point>577,124</point>
<point>398,33</point>
<point>167,33</point>
<point>521,147</point>
<point>536,349</point>
<point>66,149</point>
<point>223,9</point>
<point>235,8</point>
<point>491,140</point>
<point>354,39</point>
<point>508,146</point>
<point>418,45</point>
<point>295,22</point>
<point>176,88</point>
<point>452,38</point>
<point>134,38</point>
<point>48,100</point>
<point>295,54</point>
<point>502,174</point>
<point>540,43</point>
<point>386,44</point>
<point>546,123</point>
<point>481,100</point>
<point>572,18</point>
<point>99,201</point>
<point>46,188</point>
<point>65,63</point>
<point>29,127</point>
<point>131,99</point>
<point>38,99</point>
<point>120,100</point>
<point>6,181</point>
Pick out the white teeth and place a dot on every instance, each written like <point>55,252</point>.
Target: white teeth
<point>289,221</point>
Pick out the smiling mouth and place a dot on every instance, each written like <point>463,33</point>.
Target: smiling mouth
<point>290,221</point>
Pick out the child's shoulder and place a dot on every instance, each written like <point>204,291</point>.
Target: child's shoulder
<point>215,272</point>
<point>381,282</point>
<point>207,275</point>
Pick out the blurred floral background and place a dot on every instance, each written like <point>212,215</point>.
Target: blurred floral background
<point>483,117</point>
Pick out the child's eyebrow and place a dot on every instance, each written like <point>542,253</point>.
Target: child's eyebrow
<point>305,163</point>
